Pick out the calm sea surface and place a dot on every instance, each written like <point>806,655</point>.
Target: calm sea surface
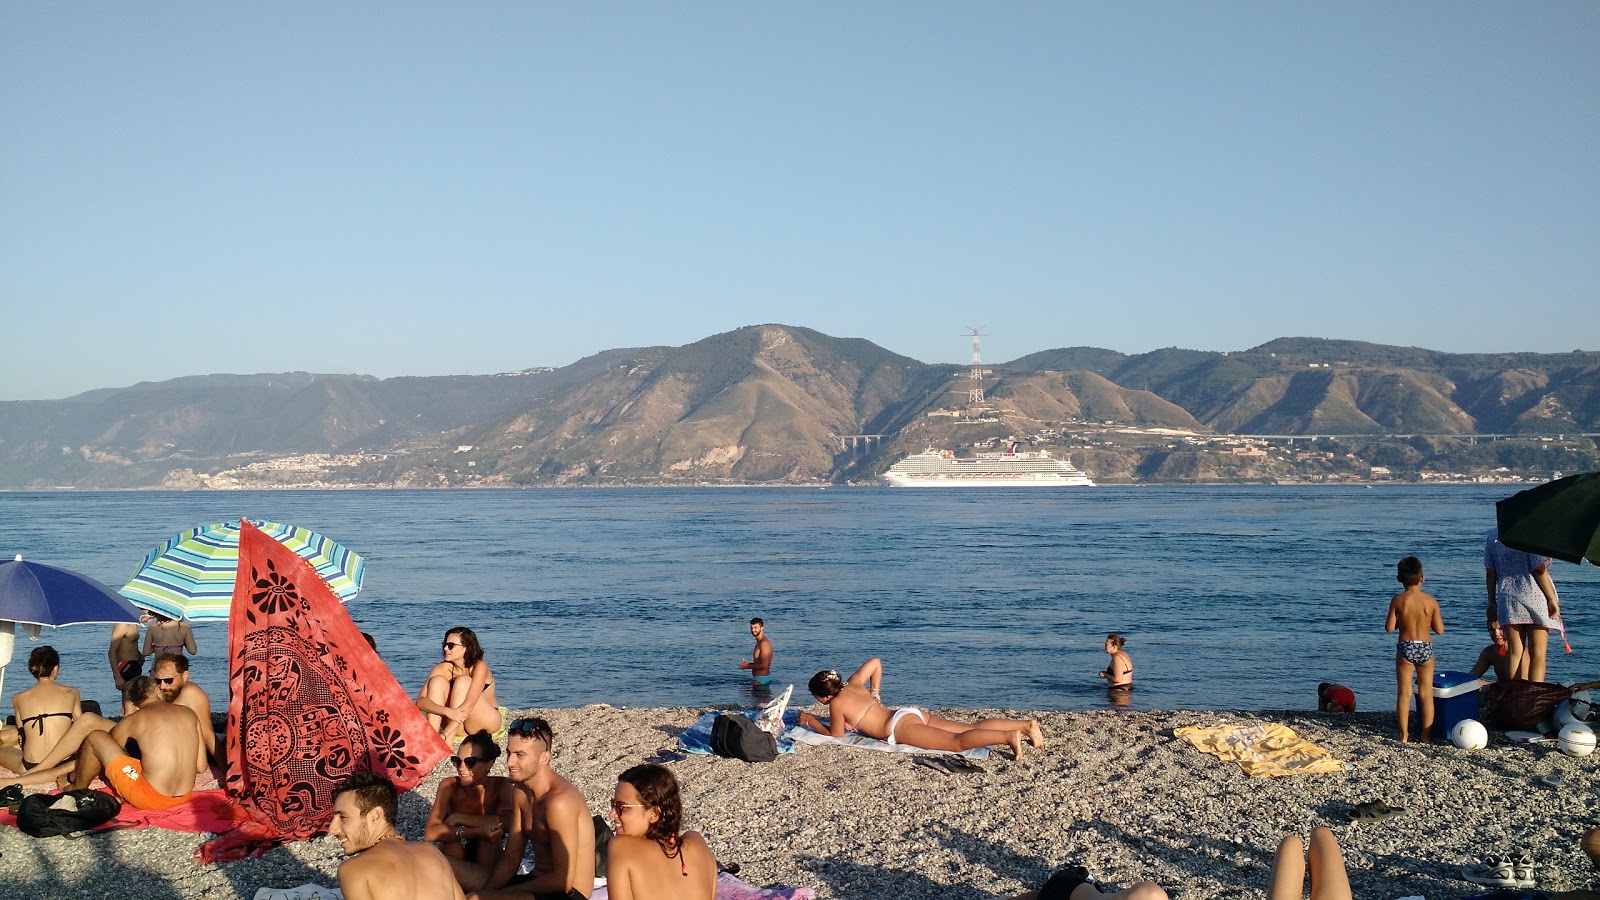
<point>1231,597</point>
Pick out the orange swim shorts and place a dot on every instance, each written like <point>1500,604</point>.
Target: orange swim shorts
<point>126,776</point>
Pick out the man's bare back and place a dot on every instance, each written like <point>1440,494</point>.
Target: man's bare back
<point>399,870</point>
<point>170,747</point>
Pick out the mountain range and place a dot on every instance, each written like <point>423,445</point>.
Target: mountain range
<point>771,404</point>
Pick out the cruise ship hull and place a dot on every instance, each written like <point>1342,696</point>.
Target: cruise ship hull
<point>941,468</point>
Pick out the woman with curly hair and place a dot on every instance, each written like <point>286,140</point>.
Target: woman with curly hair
<point>651,856</point>
<point>459,693</point>
<point>854,705</point>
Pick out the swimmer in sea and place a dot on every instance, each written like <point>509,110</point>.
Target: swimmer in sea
<point>854,705</point>
<point>761,667</point>
<point>1119,673</point>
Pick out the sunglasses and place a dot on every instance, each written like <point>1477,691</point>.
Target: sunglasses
<point>166,680</point>
<point>526,728</point>
<point>450,645</point>
<point>470,761</point>
<point>617,807</point>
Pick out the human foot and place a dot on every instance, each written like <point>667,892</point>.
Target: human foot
<point>1035,735</point>
<point>1014,738</point>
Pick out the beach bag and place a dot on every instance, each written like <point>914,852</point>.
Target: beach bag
<point>69,812</point>
<point>1520,705</point>
<point>733,735</point>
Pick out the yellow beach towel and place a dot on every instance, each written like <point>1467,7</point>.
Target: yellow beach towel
<point>1267,750</point>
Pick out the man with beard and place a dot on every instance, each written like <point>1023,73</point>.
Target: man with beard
<point>149,758</point>
<point>551,817</point>
<point>171,672</point>
<point>383,865</point>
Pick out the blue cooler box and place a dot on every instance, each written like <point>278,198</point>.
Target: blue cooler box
<point>1455,698</point>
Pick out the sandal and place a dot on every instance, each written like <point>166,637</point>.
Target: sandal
<point>1491,872</point>
<point>10,796</point>
<point>1374,811</point>
<point>938,765</point>
<point>958,763</point>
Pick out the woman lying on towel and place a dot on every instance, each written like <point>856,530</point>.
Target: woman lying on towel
<point>459,694</point>
<point>650,856</point>
<point>853,705</point>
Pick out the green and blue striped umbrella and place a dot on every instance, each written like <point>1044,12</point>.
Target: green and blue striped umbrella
<point>191,575</point>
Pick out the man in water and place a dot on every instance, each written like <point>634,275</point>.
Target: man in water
<point>171,672</point>
<point>382,864</point>
<point>149,758</point>
<point>761,667</point>
<point>551,816</point>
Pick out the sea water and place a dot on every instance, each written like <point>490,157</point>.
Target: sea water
<point>1230,597</point>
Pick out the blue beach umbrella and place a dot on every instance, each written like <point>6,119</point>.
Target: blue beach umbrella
<point>36,594</point>
<point>191,575</point>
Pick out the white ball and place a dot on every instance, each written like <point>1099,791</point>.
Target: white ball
<point>1576,739</point>
<point>1469,734</point>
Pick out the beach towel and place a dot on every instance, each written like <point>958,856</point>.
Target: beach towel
<point>309,704</point>
<point>303,892</point>
<point>697,738</point>
<point>1267,750</point>
<point>728,888</point>
<point>799,735</point>
<point>205,811</point>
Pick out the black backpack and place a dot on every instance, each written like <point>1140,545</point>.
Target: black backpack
<point>736,736</point>
<point>94,808</point>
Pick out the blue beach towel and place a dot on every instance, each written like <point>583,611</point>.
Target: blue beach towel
<point>697,739</point>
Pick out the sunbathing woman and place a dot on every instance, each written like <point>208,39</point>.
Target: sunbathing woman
<point>44,713</point>
<point>459,694</point>
<point>854,706</point>
<point>651,856</point>
<point>470,810</point>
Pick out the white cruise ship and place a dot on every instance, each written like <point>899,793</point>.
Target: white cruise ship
<point>1013,468</point>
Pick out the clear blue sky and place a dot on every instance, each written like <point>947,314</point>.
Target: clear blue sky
<point>393,188</point>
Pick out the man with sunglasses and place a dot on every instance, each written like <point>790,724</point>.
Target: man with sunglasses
<point>171,672</point>
<point>551,817</point>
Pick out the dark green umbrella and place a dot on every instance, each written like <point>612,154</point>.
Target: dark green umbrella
<point>1560,518</point>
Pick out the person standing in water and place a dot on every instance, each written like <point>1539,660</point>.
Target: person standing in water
<point>1119,673</point>
<point>760,668</point>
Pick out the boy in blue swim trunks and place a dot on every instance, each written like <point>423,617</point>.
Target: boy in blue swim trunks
<point>1416,616</point>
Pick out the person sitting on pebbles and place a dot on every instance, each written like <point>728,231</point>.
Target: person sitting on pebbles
<point>853,705</point>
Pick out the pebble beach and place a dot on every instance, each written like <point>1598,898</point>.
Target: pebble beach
<point>1113,791</point>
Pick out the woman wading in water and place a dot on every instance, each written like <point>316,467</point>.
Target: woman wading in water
<point>853,705</point>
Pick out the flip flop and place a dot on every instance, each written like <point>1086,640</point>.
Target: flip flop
<point>1375,811</point>
<point>1554,779</point>
<point>958,763</point>
<point>937,765</point>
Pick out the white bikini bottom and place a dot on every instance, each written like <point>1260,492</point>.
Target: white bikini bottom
<point>901,713</point>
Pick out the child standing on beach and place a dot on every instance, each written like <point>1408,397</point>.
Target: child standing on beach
<point>1415,614</point>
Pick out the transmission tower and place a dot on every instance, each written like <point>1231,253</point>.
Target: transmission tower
<point>975,379</point>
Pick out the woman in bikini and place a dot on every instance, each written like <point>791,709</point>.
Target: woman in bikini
<point>1119,673</point>
<point>169,636</point>
<point>651,857</point>
<point>854,705</point>
<point>459,693</point>
<point>470,810</point>
<point>44,713</point>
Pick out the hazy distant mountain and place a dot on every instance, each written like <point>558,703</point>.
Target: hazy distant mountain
<point>764,404</point>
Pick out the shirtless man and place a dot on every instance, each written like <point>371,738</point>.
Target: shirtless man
<point>551,815</point>
<point>169,746</point>
<point>761,667</point>
<point>171,672</point>
<point>1414,614</point>
<point>383,865</point>
<point>127,663</point>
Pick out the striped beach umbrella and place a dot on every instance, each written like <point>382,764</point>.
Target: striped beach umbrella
<point>191,575</point>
